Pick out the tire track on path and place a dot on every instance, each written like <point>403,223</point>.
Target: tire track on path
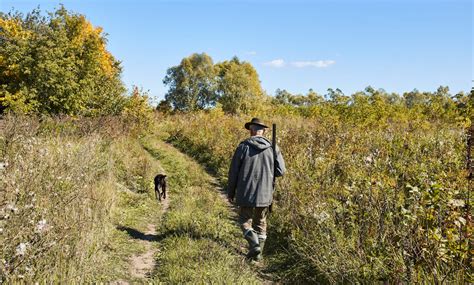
<point>199,236</point>
<point>142,265</point>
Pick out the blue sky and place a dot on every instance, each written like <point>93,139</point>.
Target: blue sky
<point>294,45</point>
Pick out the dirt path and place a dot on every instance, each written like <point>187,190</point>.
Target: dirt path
<point>200,227</point>
<point>142,265</point>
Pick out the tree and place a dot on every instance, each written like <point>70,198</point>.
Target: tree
<point>283,97</point>
<point>441,103</point>
<point>57,64</point>
<point>164,106</point>
<point>137,111</point>
<point>191,83</point>
<point>470,104</point>
<point>309,100</point>
<point>337,97</point>
<point>239,87</point>
<point>313,98</point>
<point>415,99</point>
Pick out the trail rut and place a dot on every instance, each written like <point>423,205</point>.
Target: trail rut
<point>141,265</point>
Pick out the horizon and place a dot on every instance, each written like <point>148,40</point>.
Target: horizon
<point>294,46</point>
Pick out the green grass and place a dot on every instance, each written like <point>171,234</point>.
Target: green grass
<point>189,260</point>
<point>199,241</point>
<point>133,210</point>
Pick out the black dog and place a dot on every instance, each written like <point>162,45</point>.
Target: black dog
<point>160,184</point>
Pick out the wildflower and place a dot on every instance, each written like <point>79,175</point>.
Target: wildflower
<point>320,159</point>
<point>41,226</point>
<point>321,217</point>
<point>21,249</point>
<point>456,202</point>
<point>12,208</point>
<point>369,159</point>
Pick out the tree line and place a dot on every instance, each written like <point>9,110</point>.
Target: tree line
<point>59,64</point>
<point>198,84</point>
<point>376,104</point>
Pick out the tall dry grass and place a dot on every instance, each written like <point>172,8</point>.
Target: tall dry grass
<point>57,192</point>
<point>360,203</point>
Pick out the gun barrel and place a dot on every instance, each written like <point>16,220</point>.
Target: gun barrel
<point>274,136</point>
<point>274,143</point>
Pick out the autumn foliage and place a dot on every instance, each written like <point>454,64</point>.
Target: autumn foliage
<point>57,64</point>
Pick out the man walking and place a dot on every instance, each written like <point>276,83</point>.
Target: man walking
<point>250,183</point>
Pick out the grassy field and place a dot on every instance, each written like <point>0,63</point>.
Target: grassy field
<point>67,190</point>
<point>382,201</point>
<point>376,189</point>
<point>77,205</point>
<point>57,196</point>
<point>358,204</point>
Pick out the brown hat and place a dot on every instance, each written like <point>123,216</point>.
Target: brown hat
<point>255,121</point>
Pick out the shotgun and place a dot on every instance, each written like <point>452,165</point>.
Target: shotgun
<point>274,143</point>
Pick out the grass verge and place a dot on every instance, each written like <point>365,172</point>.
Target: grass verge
<point>134,210</point>
<point>200,242</point>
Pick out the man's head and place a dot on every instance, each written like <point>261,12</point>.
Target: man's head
<point>256,130</point>
<point>256,127</point>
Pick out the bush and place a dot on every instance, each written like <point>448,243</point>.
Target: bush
<point>137,113</point>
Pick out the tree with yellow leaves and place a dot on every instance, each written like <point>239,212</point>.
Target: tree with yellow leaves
<point>57,64</point>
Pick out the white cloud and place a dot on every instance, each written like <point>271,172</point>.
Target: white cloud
<point>252,52</point>
<point>317,63</point>
<point>275,63</point>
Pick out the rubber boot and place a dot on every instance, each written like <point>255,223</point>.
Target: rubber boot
<point>254,246</point>
<point>261,242</point>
